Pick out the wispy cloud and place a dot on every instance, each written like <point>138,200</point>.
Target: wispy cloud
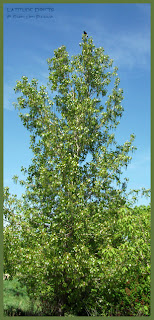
<point>38,60</point>
<point>142,161</point>
<point>133,50</point>
<point>128,49</point>
<point>8,97</point>
<point>144,7</point>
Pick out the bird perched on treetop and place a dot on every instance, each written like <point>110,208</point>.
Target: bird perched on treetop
<point>84,32</point>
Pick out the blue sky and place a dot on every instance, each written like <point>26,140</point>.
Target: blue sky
<point>30,39</point>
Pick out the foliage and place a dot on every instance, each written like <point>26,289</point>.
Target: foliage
<point>73,237</point>
<point>16,300</point>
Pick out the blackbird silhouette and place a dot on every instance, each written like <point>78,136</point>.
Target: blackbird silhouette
<point>84,32</point>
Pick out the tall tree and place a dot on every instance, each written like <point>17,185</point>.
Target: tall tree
<point>74,191</point>
<point>83,130</point>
